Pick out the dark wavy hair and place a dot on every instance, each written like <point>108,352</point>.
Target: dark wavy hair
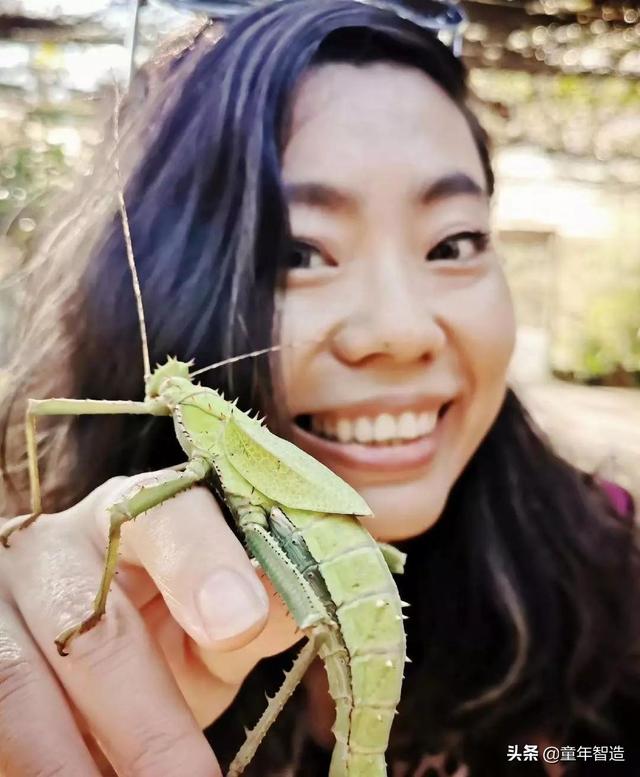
<point>524,595</point>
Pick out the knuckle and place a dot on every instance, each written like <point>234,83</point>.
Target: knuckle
<point>17,676</point>
<point>105,494</point>
<point>109,646</point>
<point>161,752</point>
<point>134,483</point>
<point>57,769</point>
<point>198,499</point>
<point>111,485</point>
<point>49,530</point>
<point>38,765</point>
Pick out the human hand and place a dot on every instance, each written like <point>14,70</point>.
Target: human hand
<point>187,619</point>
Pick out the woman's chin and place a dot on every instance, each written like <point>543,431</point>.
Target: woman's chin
<point>402,511</point>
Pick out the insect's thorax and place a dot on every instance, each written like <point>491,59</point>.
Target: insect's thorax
<point>199,415</point>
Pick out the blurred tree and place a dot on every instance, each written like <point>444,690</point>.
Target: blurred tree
<point>611,347</point>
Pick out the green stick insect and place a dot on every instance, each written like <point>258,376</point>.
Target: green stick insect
<point>298,520</point>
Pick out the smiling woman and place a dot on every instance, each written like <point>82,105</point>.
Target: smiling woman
<point>395,287</point>
<point>313,177</point>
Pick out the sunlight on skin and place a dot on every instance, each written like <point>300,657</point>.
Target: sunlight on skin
<point>404,316</point>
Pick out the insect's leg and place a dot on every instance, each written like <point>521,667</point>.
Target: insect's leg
<point>38,407</point>
<point>34,482</point>
<point>304,604</point>
<point>394,558</point>
<point>301,599</point>
<point>292,679</point>
<point>34,475</point>
<point>179,467</point>
<point>143,499</point>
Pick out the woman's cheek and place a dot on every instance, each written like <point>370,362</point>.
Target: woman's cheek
<point>295,332</point>
<point>482,325</point>
<point>304,327</point>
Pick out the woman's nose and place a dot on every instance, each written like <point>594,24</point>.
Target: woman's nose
<point>393,319</point>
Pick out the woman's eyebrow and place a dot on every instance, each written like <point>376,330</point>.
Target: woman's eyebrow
<point>320,195</point>
<point>450,185</point>
<point>326,197</point>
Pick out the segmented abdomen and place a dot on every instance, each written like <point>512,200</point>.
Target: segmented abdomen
<point>365,657</point>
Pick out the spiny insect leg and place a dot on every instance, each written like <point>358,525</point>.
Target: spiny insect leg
<point>16,525</point>
<point>302,601</point>
<point>291,681</point>
<point>143,499</point>
<point>62,406</point>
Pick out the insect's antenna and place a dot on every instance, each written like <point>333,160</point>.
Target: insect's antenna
<point>252,354</point>
<point>127,236</point>
<point>236,359</point>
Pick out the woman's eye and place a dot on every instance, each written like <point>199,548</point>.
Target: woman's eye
<point>460,247</point>
<point>305,256</point>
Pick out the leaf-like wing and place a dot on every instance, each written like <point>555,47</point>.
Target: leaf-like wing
<point>284,473</point>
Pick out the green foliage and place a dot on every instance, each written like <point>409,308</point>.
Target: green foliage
<point>611,341</point>
<point>27,172</point>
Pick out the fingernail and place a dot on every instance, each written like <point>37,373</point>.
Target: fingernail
<point>230,603</point>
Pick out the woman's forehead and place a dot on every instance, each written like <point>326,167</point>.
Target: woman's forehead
<point>329,85</point>
<point>345,118</point>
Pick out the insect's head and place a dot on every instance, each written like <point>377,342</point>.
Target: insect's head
<point>172,368</point>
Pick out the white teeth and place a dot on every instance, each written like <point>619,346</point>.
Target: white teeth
<point>329,427</point>
<point>363,430</point>
<point>344,430</point>
<point>408,426</point>
<point>427,422</point>
<point>383,428</point>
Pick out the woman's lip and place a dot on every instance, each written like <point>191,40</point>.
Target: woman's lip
<point>372,458</point>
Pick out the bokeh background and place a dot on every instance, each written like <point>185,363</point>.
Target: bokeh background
<point>557,85</point>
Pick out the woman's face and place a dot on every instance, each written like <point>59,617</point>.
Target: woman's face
<point>395,299</point>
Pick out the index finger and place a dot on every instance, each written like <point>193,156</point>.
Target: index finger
<point>195,560</point>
